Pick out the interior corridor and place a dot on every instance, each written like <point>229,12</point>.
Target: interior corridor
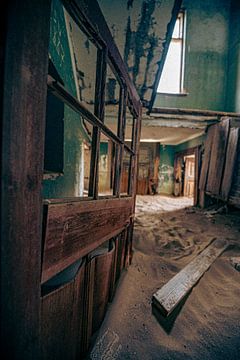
<point>168,234</point>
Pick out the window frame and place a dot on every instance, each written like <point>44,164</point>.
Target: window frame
<point>182,40</point>
<point>96,118</point>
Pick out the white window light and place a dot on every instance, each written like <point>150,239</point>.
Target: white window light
<point>171,80</point>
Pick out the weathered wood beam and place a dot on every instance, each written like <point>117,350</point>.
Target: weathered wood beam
<point>70,229</point>
<point>231,157</point>
<point>177,124</point>
<point>25,65</point>
<point>170,295</point>
<point>200,112</point>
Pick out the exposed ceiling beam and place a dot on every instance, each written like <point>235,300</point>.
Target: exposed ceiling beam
<point>195,112</point>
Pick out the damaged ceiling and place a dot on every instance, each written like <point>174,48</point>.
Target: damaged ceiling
<point>139,28</point>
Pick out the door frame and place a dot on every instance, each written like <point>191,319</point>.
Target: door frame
<point>191,151</point>
<point>24,57</point>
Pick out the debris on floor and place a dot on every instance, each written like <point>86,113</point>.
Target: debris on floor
<point>235,262</point>
<point>219,210</point>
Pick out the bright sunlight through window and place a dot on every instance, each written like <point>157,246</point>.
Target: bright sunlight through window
<point>171,80</point>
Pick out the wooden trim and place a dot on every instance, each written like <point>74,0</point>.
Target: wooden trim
<point>119,149</point>
<point>24,103</point>
<point>99,113</point>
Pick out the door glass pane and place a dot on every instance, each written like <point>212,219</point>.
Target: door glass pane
<point>107,156</point>
<point>129,128</point>
<point>87,151</point>
<point>112,95</point>
<point>125,176</point>
<point>73,153</point>
<point>84,59</point>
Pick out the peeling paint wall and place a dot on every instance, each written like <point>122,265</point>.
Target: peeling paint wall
<point>139,29</point>
<point>166,167</point>
<point>166,170</point>
<point>206,55</point>
<point>191,143</point>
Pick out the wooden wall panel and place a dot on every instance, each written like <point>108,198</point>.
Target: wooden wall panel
<point>74,229</point>
<point>102,279</point>
<point>220,172</point>
<point>230,162</point>
<point>79,309</point>
<point>234,197</point>
<point>58,333</point>
<point>62,326</point>
<point>206,159</point>
<point>217,159</point>
<point>24,60</point>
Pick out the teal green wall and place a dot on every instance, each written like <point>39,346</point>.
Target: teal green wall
<point>190,144</point>
<point>71,182</point>
<point>206,54</point>
<point>233,86</point>
<point>166,168</point>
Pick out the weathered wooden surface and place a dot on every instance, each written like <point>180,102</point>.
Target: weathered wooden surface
<point>170,295</point>
<point>102,279</point>
<point>195,112</point>
<point>217,159</point>
<point>206,159</point>
<point>79,309</point>
<point>75,229</point>
<point>234,197</point>
<point>230,163</point>
<point>61,319</point>
<point>120,244</point>
<point>86,331</point>
<point>24,60</point>
<point>57,332</point>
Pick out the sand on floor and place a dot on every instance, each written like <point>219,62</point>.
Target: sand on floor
<point>168,234</point>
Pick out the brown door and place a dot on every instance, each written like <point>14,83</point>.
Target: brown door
<point>189,176</point>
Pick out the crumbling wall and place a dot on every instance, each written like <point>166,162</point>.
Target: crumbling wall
<point>139,29</point>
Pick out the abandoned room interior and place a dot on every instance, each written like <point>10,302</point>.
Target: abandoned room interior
<point>120,179</point>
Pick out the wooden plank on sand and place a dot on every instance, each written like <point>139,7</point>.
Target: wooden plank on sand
<point>170,295</point>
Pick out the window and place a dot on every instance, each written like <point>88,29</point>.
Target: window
<point>86,89</point>
<point>171,80</point>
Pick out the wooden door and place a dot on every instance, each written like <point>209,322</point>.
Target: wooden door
<point>44,236</point>
<point>189,176</point>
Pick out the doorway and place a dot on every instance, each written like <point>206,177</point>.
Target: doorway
<point>189,176</point>
<point>186,169</point>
